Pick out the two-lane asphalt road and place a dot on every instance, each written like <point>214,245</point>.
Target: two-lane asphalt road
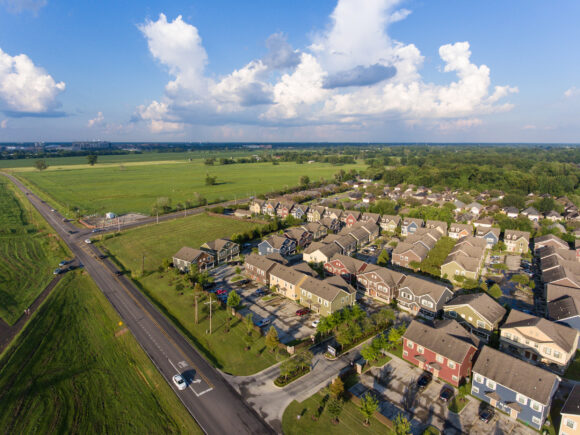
<point>215,405</point>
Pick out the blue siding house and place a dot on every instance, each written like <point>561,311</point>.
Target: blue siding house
<point>490,235</point>
<point>277,245</point>
<point>519,389</point>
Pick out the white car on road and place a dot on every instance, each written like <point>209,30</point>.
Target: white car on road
<point>315,323</point>
<point>88,241</point>
<point>179,382</point>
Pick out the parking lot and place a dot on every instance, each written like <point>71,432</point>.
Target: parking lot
<point>395,384</point>
<point>280,311</point>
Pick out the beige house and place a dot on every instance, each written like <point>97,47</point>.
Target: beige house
<point>570,423</point>
<point>287,281</point>
<point>457,231</point>
<point>516,241</point>
<point>538,340</point>
<point>324,297</point>
<point>319,252</point>
<point>390,223</point>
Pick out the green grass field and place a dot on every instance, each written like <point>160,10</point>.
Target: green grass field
<point>225,350</point>
<point>135,186</point>
<point>72,370</point>
<point>29,252</point>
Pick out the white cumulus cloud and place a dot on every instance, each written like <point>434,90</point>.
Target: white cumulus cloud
<point>572,92</point>
<point>97,120</point>
<point>25,87</point>
<point>158,118</point>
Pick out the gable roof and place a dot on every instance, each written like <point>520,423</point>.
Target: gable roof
<point>388,218</point>
<point>572,404</point>
<point>314,227</point>
<point>259,261</point>
<point>287,274</point>
<point>436,224</point>
<point>564,308</point>
<point>353,265</point>
<point>276,241</point>
<point>408,221</point>
<point>327,249</point>
<point>468,263</point>
<point>322,289</point>
<point>484,304</point>
<point>472,241</point>
<point>422,287</point>
<point>188,254</point>
<point>514,235</point>
<point>218,244</point>
<point>304,268</point>
<point>457,228</point>
<point>482,232</point>
<point>337,281</point>
<point>516,374</point>
<point>390,277</point>
<point>552,238</point>
<point>562,335</point>
<point>439,340</point>
<point>418,249</point>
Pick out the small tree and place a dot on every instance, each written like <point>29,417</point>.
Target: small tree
<point>304,359</point>
<point>249,322</point>
<point>402,425</point>
<point>166,263</point>
<point>337,389</point>
<point>40,165</point>
<point>238,270</point>
<point>92,159</point>
<point>384,258</point>
<point>288,367</point>
<point>272,340</point>
<point>304,180</point>
<point>370,352</point>
<point>334,409</point>
<point>209,180</point>
<point>495,291</point>
<point>233,299</point>
<point>395,335</point>
<point>368,406</point>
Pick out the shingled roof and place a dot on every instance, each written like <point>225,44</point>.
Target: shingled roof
<point>572,405</point>
<point>482,303</point>
<point>390,277</point>
<point>188,254</point>
<point>420,287</point>
<point>353,265</point>
<point>517,375</point>
<point>562,335</point>
<point>439,340</point>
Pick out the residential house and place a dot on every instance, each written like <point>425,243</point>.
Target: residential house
<point>550,240</point>
<point>562,274</point>
<point>570,412</point>
<point>457,231</point>
<point>334,213</point>
<point>410,225</point>
<point>361,235</point>
<point>563,305</point>
<point>317,230</point>
<point>299,235</point>
<point>553,215</point>
<point>465,259</point>
<point>519,389</point>
<point>332,225</point>
<point>345,242</point>
<point>350,217</point>
<point>277,245</point>
<point>516,241</point>
<point>532,214</point>
<point>486,222</point>
<point>479,313</point>
<point>538,340</point>
<point>459,206</point>
<point>490,235</point>
<point>187,257</point>
<point>325,298</point>
<point>315,213</point>
<point>257,205</point>
<point>270,207</point>
<point>284,209</point>
<point>258,268</point>
<point>299,211</point>
<point>390,223</point>
<point>371,228</point>
<point>422,297</point>
<point>406,253</point>
<point>287,281</point>
<point>346,267</point>
<point>370,217</point>
<point>446,350</point>
<point>474,208</point>
<point>440,226</point>
<point>368,198</point>
<point>222,250</point>
<point>511,212</point>
<point>319,252</point>
<point>379,282</point>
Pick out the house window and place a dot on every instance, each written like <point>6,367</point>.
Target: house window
<point>326,303</point>
<point>405,353</point>
<point>463,316</point>
<point>470,319</point>
<point>474,389</point>
<point>410,344</point>
<point>455,378</point>
<point>536,420</point>
<point>557,354</point>
<point>522,399</point>
<point>478,379</point>
<point>452,314</point>
<point>548,351</point>
<point>507,335</point>
<point>480,324</point>
<point>319,300</point>
<point>439,359</point>
<point>420,349</point>
<point>451,364</point>
<point>310,295</point>
<point>570,423</point>
<point>536,406</point>
<point>428,304</point>
<point>490,384</point>
<point>303,292</point>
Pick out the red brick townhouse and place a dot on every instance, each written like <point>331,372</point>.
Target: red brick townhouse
<point>445,350</point>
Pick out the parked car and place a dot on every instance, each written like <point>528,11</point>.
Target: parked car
<point>102,257</point>
<point>486,414</point>
<point>302,312</point>
<point>261,292</point>
<point>57,271</point>
<point>62,263</point>
<point>446,393</point>
<point>88,241</point>
<point>221,291</point>
<point>315,323</point>
<point>263,322</point>
<point>179,382</point>
<point>424,380</point>
<point>118,273</point>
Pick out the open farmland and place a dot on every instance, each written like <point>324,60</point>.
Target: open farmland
<point>28,251</point>
<point>75,369</point>
<point>134,187</point>
<point>226,350</point>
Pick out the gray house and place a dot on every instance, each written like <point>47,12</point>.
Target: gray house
<point>521,390</point>
<point>277,245</point>
<point>490,235</point>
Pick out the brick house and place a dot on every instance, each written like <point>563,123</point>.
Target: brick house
<point>350,217</point>
<point>258,267</point>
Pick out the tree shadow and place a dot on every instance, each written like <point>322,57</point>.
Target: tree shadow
<point>410,393</point>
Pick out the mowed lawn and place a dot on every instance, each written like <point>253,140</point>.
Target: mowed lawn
<point>226,350</point>
<point>159,241</point>
<point>74,369</point>
<point>29,252</point>
<point>123,188</point>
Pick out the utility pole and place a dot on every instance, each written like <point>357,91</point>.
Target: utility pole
<point>196,309</point>
<point>185,210</point>
<point>210,304</point>
<point>143,264</point>
<point>157,212</point>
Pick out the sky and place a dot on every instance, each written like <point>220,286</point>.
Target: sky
<point>300,70</point>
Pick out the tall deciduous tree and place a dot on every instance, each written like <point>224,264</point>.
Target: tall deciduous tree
<point>368,406</point>
<point>92,159</point>
<point>272,340</point>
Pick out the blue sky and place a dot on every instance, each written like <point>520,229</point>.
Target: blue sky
<point>342,70</point>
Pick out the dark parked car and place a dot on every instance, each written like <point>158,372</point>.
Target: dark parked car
<point>118,273</point>
<point>261,292</point>
<point>446,393</point>
<point>486,414</point>
<point>424,380</point>
<point>102,257</point>
<point>302,312</point>
<point>263,322</point>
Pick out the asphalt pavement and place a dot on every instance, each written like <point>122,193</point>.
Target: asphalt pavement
<point>213,403</point>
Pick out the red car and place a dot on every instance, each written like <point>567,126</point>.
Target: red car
<point>302,311</point>
<point>221,291</point>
